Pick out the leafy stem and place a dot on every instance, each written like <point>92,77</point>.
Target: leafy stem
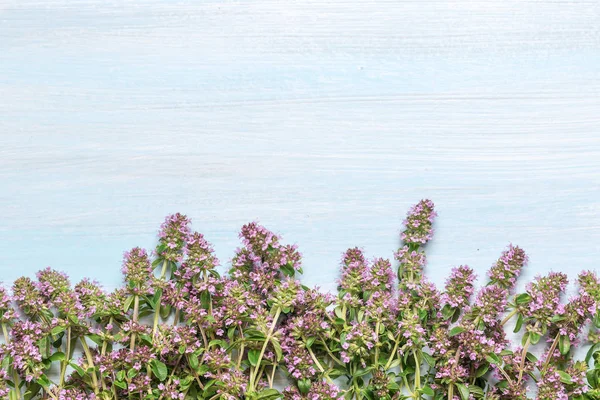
<point>163,273</point>
<point>254,374</point>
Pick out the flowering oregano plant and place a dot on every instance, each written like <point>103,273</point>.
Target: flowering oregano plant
<point>177,329</point>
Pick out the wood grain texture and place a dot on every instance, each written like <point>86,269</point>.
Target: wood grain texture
<point>324,120</point>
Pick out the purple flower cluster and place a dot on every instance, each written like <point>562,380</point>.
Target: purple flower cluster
<point>357,342</point>
<point>491,301</point>
<point>137,271</point>
<point>388,334</point>
<point>379,277</point>
<point>418,223</point>
<point>411,266</point>
<point>459,287</point>
<point>173,236</point>
<point>354,269</point>
<point>506,270</point>
<point>545,293</point>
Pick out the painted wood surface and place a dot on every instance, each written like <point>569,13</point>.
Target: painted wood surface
<point>324,120</point>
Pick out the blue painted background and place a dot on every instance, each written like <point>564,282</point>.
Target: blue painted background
<point>324,120</point>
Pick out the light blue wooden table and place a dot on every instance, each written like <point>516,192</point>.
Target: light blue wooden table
<point>324,120</point>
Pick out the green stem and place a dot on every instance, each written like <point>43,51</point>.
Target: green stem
<point>391,359</point>
<point>318,364</point>
<point>357,390</point>
<point>176,319</point>
<point>509,316</point>
<point>64,363</point>
<point>550,353</point>
<point>417,375</point>
<point>456,359</point>
<point>262,352</point>
<point>242,348</point>
<point>272,376</point>
<point>524,353</point>
<point>90,360</point>
<point>136,309</point>
<point>337,360</point>
<point>163,273</point>
<point>405,381</point>
<point>105,342</point>
<point>376,345</point>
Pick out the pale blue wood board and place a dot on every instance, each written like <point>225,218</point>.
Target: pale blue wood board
<point>324,120</point>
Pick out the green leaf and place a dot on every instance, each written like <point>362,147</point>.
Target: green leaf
<point>428,359</point>
<point>43,381</point>
<point>493,359</point>
<point>463,390</point>
<point>96,339</point>
<point>268,394</point>
<point>157,261</point>
<point>338,313</point>
<point>592,378</point>
<point>165,311</point>
<point>205,299</point>
<point>159,369</point>
<point>447,312</point>
<point>131,373</point>
<point>456,315</point>
<point>502,385</point>
<point>57,329</point>
<point>360,315</point>
<point>481,371</point>
<point>193,359</point>
<point>533,359</point>
<point>120,384</point>
<point>336,372</point>
<point>304,385</point>
<point>590,352</point>
<point>288,270</point>
<point>522,298</point>
<point>362,372</point>
<point>121,375</point>
<point>476,391</point>
<point>217,342</point>
<point>58,356</point>
<point>277,348</point>
<point>253,355</point>
<point>146,338</point>
<point>519,323</point>
<point>127,304</point>
<point>310,341</point>
<point>456,330</point>
<point>32,390</point>
<point>564,345</point>
<point>427,391</point>
<point>78,369</point>
<point>564,377</point>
